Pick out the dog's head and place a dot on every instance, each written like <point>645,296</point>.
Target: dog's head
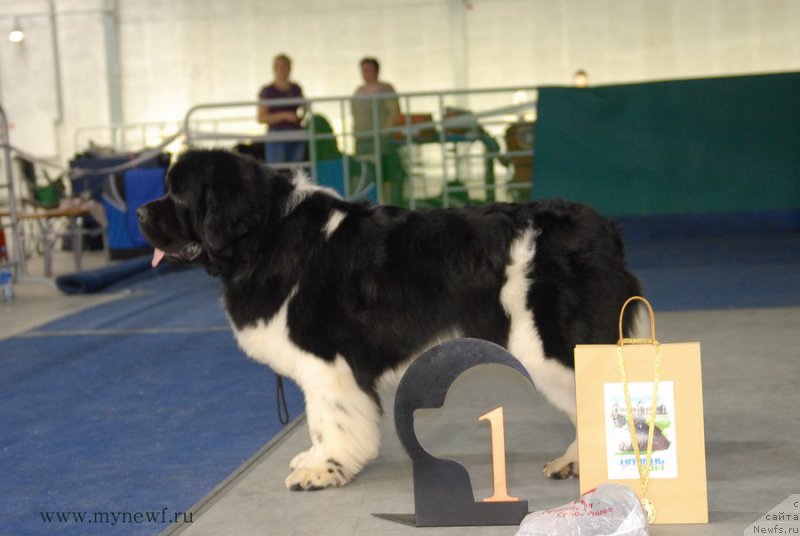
<point>213,199</point>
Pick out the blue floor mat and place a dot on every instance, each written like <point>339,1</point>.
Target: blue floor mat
<point>137,405</point>
<point>718,271</point>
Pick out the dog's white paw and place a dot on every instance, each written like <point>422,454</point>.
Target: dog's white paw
<point>561,468</point>
<point>329,474</point>
<point>300,459</point>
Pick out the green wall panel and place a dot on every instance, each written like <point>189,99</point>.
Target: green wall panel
<point>689,146</point>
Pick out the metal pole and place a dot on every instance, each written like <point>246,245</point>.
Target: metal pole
<point>376,149</point>
<point>443,146</point>
<point>312,143</point>
<point>343,152</point>
<point>58,122</point>
<point>110,31</point>
<point>18,261</point>
<point>412,186</point>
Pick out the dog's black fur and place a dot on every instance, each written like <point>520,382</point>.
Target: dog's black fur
<point>373,286</point>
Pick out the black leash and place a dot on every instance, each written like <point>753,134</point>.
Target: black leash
<point>283,409</point>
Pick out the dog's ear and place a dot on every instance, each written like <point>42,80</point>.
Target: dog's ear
<point>228,216</point>
<point>213,224</point>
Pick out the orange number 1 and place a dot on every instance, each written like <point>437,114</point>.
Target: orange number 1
<point>495,418</point>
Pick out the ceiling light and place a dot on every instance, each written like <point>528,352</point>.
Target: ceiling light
<point>16,35</point>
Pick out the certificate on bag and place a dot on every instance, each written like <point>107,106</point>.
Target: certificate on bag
<point>676,479</point>
<point>620,456</point>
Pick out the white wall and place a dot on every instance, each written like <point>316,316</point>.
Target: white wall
<point>220,51</point>
<point>543,42</point>
<point>177,53</point>
<point>41,118</point>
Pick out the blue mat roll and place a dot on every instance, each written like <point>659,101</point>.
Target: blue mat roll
<point>96,280</point>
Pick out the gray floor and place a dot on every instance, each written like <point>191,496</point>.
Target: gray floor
<point>752,412</point>
<point>38,301</point>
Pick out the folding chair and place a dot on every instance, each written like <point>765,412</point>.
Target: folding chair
<point>44,218</point>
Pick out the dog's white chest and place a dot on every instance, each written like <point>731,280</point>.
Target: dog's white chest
<point>269,343</point>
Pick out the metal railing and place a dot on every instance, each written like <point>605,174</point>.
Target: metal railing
<point>489,112</point>
<point>433,144</point>
<point>435,141</point>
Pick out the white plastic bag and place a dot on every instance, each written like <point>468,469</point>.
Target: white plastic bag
<point>607,510</point>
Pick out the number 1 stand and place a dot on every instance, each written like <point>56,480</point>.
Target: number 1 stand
<point>443,493</point>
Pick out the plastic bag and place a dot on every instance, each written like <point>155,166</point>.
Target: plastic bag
<point>607,510</point>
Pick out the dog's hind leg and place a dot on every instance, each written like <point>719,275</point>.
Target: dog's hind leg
<point>552,378</point>
<point>344,424</point>
<point>559,388</point>
<point>557,383</point>
<point>566,465</point>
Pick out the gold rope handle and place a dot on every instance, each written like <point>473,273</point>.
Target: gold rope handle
<point>652,340</point>
<point>643,469</point>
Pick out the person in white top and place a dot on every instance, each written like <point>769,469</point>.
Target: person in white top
<point>364,124</point>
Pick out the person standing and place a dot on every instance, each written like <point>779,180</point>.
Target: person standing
<point>282,118</point>
<point>388,109</point>
<point>370,115</point>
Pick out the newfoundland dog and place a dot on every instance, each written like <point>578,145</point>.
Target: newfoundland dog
<point>340,296</point>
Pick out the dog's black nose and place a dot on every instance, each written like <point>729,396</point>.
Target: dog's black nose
<point>142,214</point>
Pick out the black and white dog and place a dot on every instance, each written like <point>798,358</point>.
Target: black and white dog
<point>340,296</point>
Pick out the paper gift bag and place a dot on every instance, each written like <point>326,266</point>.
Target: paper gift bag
<point>618,415</point>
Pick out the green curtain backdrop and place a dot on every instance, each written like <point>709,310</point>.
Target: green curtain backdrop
<point>689,146</point>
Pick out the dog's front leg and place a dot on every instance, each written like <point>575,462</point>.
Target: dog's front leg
<point>344,425</point>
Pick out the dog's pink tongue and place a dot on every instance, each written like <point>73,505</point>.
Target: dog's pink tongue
<point>158,255</point>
